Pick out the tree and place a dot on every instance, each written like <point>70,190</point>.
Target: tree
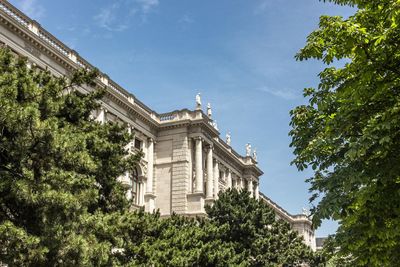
<point>349,133</point>
<point>175,241</point>
<point>252,228</point>
<point>58,169</point>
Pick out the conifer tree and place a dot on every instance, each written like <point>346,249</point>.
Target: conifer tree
<point>251,226</point>
<point>58,169</point>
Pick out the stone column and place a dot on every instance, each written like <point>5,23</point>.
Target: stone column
<point>130,145</point>
<point>150,159</point>
<point>257,191</point>
<point>250,187</point>
<point>236,182</point>
<point>149,196</point>
<point>101,116</point>
<point>229,179</point>
<point>209,193</point>
<point>216,179</point>
<point>141,194</point>
<point>199,167</point>
<point>239,183</point>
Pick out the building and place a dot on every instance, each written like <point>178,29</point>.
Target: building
<point>185,163</point>
<point>319,243</point>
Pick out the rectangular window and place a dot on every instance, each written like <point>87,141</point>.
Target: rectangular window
<point>138,144</point>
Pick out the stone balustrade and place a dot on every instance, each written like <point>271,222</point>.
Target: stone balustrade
<point>18,16</point>
<point>170,116</point>
<point>51,40</point>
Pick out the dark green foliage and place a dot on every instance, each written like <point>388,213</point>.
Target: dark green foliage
<point>182,241</point>
<point>251,227</point>
<point>349,133</point>
<point>58,168</point>
<point>240,231</point>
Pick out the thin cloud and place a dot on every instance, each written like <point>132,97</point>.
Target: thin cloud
<point>119,16</point>
<point>107,19</point>
<point>32,9</point>
<point>281,93</point>
<point>147,5</point>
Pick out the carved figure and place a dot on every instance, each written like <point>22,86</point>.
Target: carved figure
<point>248,150</point>
<point>255,154</point>
<point>305,211</point>
<point>209,111</point>
<point>228,138</point>
<point>215,125</point>
<point>198,101</point>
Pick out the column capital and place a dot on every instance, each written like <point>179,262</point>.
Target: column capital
<point>151,140</point>
<point>198,138</point>
<point>210,146</point>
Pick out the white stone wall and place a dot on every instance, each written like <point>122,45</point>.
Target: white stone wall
<point>180,172</point>
<point>163,175</point>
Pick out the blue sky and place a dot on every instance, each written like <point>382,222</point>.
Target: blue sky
<point>238,53</point>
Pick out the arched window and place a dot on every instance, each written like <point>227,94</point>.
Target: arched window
<point>137,186</point>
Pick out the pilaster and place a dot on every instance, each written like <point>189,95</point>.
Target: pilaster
<point>149,197</point>
<point>216,179</point>
<point>250,187</point>
<point>210,176</point>
<point>199,167</point>
<point>229,179</point>
<point>257,191</point>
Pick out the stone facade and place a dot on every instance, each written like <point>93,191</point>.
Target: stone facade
<point>185,162</point>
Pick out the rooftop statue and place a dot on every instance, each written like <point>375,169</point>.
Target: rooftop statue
<point>209,111</point>
<point>215,125</point>
<point>305,212</point>
<point>255,154</point>
<point>198,101</point>
<point>248,150</point>
<point>228,138</point>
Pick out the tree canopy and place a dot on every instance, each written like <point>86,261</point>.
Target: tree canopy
<point>349,132</point>
<point>252,228</point>
<point>58,168</point>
